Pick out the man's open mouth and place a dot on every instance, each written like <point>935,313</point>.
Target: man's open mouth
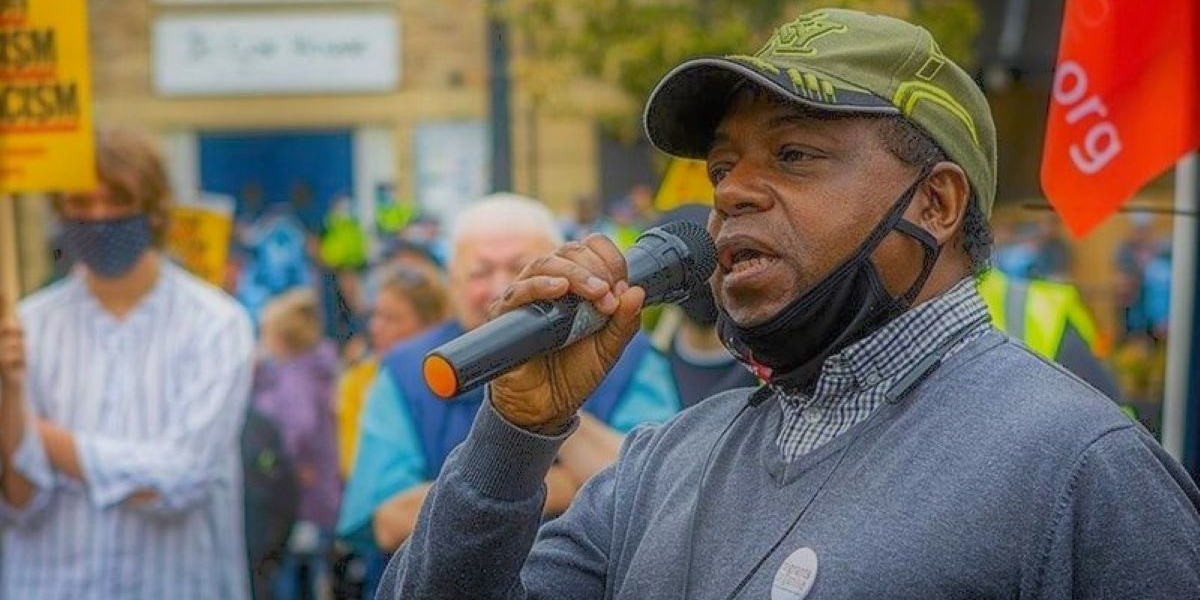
<point>745,260</point>
<point>740,253</point>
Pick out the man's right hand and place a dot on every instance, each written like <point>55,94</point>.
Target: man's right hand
<point>12,352</point>
<point>543,394</point>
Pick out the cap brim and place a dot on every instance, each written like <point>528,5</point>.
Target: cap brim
<point>687,104</point>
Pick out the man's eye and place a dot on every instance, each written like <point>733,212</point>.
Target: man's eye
<point>717,173</point>
<point>795,155</point>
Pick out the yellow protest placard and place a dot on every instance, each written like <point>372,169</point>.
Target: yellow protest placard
<point>686,182</point>
<point>46,140</point>
<point>199,236</point>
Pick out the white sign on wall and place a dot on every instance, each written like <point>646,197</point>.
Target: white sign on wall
<point>451,165</point>
<point>213,2</point>
<point>265,53</point>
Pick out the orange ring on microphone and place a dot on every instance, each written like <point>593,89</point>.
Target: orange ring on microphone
<point>439,376</point>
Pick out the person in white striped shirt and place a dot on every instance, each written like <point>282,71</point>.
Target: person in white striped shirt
<point>123,389</point>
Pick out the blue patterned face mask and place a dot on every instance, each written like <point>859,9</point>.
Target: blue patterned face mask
<point>109,247</point>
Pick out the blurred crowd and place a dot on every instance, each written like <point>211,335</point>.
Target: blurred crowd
<point>1134,352</point>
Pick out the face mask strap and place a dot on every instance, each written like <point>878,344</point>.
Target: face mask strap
<point>889,222</point>
<point>895,221</point>
<point>932,251</point>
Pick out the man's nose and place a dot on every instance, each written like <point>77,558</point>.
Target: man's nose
<point>742,191</point>
<point>97,210</point>
<point>103,211</point>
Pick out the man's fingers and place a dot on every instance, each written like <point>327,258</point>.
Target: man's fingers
<point>532,289</point>
<point>625,321</point>
<point>629,311</point>
<point>583,282</point>
<point>608,253</point>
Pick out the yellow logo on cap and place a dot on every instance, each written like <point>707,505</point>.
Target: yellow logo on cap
<point>811,86</point>
<point>796,38</point>
<point>910,93</point>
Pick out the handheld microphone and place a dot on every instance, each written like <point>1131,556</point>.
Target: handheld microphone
<point>667,262</point>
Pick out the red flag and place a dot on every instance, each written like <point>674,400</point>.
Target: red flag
<point>1124,104</point>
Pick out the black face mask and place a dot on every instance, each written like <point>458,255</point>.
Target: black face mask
<point>850,303</point>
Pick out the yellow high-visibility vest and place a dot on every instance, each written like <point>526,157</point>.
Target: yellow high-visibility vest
<point>1036,312</point>
<point>344,244</point>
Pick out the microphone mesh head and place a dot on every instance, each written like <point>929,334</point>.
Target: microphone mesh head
<point>702,258</point>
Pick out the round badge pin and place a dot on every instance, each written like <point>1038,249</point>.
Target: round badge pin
<point>795,576</point>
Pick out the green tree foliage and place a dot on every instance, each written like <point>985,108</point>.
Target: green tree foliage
<point>630,44</point>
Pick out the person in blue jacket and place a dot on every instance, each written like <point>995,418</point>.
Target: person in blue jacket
<point>407,432</point>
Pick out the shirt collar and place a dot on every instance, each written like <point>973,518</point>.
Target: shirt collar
<point>886,354</point>
<point>142,314</point>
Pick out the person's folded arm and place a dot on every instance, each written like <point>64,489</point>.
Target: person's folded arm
<point>651,397</point>
<point>174,471</point>
<point>27,479</point>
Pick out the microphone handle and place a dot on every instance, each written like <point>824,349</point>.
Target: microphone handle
<point>517,336</point>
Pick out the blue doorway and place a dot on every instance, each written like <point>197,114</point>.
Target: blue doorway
<point>307,169</point>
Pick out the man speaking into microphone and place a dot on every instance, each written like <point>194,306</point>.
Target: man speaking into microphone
<point>901,448</point>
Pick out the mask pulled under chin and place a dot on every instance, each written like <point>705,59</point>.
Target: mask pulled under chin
<point>110,247</point>
<point>844,307</point>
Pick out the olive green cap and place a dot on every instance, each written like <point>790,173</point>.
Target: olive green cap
<point>843,61</point>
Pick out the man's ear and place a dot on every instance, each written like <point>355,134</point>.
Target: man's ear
<point>941,202</point>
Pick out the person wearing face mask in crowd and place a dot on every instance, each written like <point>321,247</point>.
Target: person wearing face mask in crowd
<point>124,387</point>
<point>902,447</point>
<point>407,432</point>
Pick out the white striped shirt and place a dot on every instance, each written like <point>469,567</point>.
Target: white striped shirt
<point>155,402</point>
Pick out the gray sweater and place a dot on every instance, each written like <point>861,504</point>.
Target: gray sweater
<point>999,476</point>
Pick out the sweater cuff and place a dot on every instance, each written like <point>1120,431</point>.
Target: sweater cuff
<point>504,461</point>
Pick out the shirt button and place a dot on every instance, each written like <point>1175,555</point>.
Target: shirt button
<point>811,415</point>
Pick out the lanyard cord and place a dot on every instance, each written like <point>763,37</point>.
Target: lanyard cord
<point>691,540</point>
<point>796,521</point>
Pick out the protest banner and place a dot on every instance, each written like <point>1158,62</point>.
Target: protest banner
<point>686,182</point>
<point>1124,104</point>
<point>46,140</point>
<point>199,235</point>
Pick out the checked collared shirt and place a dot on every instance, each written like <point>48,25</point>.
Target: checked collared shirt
<point>855,381</point>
